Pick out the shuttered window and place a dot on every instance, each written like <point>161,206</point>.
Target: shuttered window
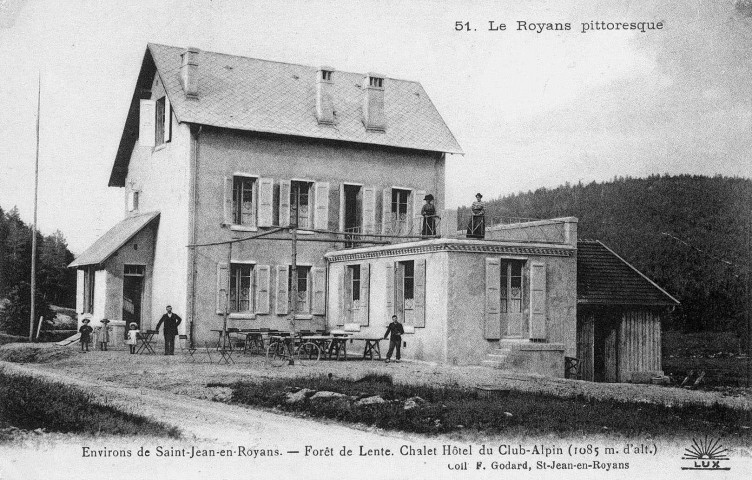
<point>303,280</point>
<point>241,288</point>
<point>300,204</point>
<point>243,202</point>
<point>159,137</point>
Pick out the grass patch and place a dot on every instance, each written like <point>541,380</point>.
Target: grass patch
<point>7,338</point>
<point>35,353</point>
<point>29,403</point>
<point>446,410</point>
<point>718,354</point>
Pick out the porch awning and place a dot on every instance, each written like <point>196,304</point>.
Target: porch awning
<point>115,238</point>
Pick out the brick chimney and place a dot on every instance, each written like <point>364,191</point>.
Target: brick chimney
<point>373,102</point>
<point>189,71</point>
<point>324,104</point>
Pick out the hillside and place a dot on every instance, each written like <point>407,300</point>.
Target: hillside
<point>688,233</point>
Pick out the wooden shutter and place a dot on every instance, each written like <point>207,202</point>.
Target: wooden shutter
<point>265,202</point>
<point>228,210</point>
<point>79,291</point>
<point>390,288</point>
<point>263,277</point>
<point>348,303</point>
<point>386,211</point>
<point>222,272</point>
<point>343,309</point>
<point>538,301</point>
<point>167,120</point>
<point>284,203</point>
<point>321,217</point>
<point>318,303</point>
<point>369,210</point>
<point>492,315</point>
<point>147,118</point>
<point>282,289</point>
<point>417,220</point>
<point>365,290</point>
<point>341,207</point>
<point>419,292</point>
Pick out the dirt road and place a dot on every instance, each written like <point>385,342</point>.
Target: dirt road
<point>208,426</point>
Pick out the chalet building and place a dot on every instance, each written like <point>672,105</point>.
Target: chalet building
<point>219,148</point>
<point>618,317</point>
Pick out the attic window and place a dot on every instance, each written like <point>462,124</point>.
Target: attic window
<point>326,75</point>
<point>376,82</point>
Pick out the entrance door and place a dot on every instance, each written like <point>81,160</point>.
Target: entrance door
<point>606,341</point>
<point>512,299</point>
<point>353,213</point>
<point>133,287</point>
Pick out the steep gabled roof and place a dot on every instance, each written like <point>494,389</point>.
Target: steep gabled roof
<point>263,96</point>
<point>113,240</point>
<point>604,278</point>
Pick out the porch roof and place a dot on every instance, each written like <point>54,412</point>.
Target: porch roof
<point>113,240</point>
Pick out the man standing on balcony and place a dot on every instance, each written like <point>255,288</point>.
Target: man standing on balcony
<point>429,217</point>
<point>476,228</point>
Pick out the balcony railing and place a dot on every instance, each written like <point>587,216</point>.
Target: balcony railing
<point>396,229</point>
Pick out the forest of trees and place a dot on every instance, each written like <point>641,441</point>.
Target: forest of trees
<point>56,284</point>
<point>687,233</point>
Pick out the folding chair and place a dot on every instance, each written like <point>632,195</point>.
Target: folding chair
<point>226,354</point>
<point>186,347</point>
<point>207,350</point>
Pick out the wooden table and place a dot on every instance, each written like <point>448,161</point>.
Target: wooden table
<point>146,339</point>
<point>372,345</point>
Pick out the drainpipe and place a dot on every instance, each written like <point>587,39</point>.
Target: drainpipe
<point>194,229</point>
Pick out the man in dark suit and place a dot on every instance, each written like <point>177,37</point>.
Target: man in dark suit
<point>171,322</point>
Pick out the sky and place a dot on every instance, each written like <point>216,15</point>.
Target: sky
<point>530,109</point>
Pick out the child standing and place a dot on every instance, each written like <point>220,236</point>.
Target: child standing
<point>104,335</point>
<point>85,332</point>
<point>133,336</point>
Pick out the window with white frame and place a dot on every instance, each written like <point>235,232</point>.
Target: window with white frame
<point>133,200</point>
<point>163,124</point>
<point>354,276</point>
<point>241,288</point>
<point>244,200</point>
<point>303,279</point>
<point>300,204</point>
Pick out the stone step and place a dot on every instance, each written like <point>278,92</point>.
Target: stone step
<point>492,364</point>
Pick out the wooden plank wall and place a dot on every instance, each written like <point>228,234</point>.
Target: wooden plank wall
<point>639,343</point>
<point>585,342</point>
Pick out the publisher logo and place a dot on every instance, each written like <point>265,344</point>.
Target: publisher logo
<point>707,454</point>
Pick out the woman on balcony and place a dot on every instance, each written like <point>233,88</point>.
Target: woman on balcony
<point>476,228</point>
<point>429,217</point>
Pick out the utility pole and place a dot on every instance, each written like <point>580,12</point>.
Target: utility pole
<point>34,225</point>
<point>227,295</point>
<point>294,268</point>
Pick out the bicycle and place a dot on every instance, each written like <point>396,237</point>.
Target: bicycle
<point>282,350</point>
